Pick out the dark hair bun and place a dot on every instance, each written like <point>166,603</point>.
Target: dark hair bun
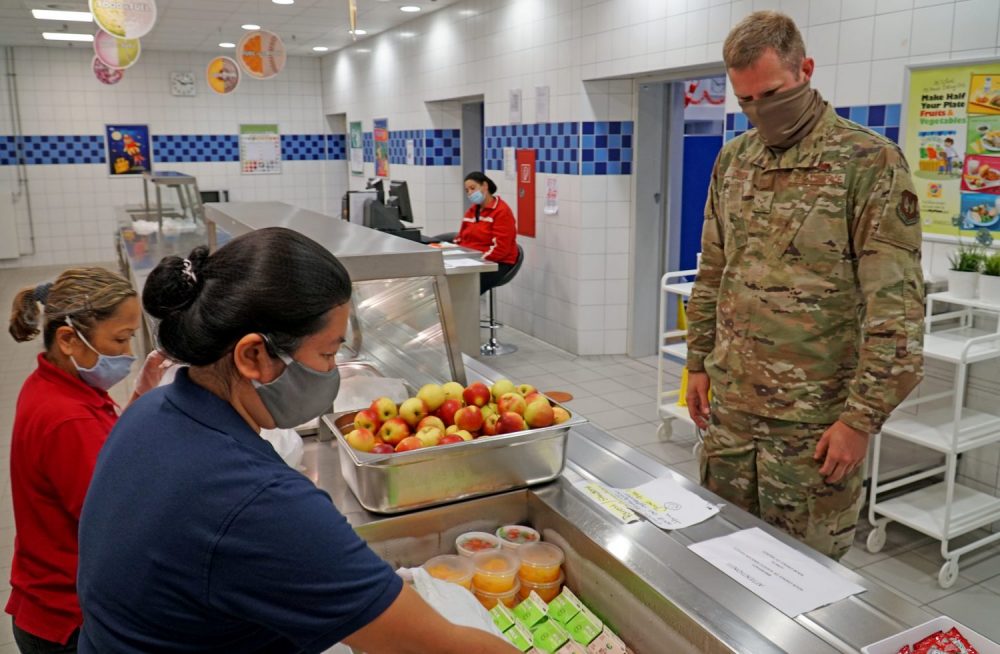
<point>174,284</point>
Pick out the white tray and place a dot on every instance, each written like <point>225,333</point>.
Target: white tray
<point>892,644</point>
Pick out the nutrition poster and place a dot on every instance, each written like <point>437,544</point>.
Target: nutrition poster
<point>260,150</point>
<point>381,138</point>
<point>357,149</point>
<point>951,139</point>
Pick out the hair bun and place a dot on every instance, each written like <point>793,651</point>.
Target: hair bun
<point>174,284</point>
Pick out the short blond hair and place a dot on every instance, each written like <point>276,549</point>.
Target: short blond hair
<point>760,31</point>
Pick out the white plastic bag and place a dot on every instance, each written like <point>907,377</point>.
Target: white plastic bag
<point>455,603</point>
<point>287,443</point>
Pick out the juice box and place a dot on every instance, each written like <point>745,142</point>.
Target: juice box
<point>572,647</point>
<point>565,606</point>
<point>549,636</point>
<point>530,611</point>
<point>519,637</point>
<point>585,627</point>
<point>502,617</point>
<point>606,643</point>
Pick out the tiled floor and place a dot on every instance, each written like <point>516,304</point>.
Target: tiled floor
<point>616,393</point>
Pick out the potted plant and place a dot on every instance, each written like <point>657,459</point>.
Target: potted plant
<point>963,277</point>
<point>989,280</point>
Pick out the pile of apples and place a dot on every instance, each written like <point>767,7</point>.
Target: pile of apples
<point>451,413</point>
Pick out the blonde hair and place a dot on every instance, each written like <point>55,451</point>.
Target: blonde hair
<point>85,295</point>
<point>760,31</point>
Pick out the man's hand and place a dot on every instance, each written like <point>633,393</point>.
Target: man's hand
<point>697,398</point>
<point>841,449</point>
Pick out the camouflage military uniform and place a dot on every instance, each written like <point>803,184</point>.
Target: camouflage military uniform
<point>808,309</point>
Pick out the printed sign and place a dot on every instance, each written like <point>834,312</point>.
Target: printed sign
<point>106,74</point>
<point>357,149</point>
<point>129,149</point>
<point>114,52</point>
<point>261,54</point>
<point>381,137</point>
<point>126,19</point>
<point>222,75</point>
<point>260,150</point>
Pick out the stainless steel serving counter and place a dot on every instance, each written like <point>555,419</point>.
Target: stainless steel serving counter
<point>651,568</point>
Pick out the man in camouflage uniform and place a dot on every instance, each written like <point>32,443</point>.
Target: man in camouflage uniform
<point>806,319</point>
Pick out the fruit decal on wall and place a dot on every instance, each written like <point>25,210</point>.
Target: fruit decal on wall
<point>446,414</point>
<point>261,54</point>
<point>115,52</point>
<point>105,74</point>
<point>126,19</point>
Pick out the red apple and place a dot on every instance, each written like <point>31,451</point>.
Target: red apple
<point>430,436</point>
<point>367,419</point>
<point>384,408</point>
<point>413,411</point>
<point>409,443</point>
<point>453,391</point>
<point>532,396</point>
<point>525,389</point>
<point>560,415</point>
<point>432,395</point>
<point>469,418</point>
<point>431,421</point>
<point>539,414</point>
<point>477,394</point>
<point>489,410</point>
<point>512,403</point>
<point>362,440</point>
<point>447,411</point>
<point>490,425</point>
<point>394,430</point>
<point>454,438</point>
<point>383,448</point>
<point>510,422</point>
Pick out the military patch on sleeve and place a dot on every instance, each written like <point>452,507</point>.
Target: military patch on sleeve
<point>908,208</point>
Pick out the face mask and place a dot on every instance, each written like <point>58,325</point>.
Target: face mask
<point>785,118</point>
<point>299,394</point>
<point>108,371</point>
<point>477,197</point>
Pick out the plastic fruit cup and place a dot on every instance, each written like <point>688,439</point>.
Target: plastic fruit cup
<point>547,591</point>
<point>476,541</point>
<point>514,536</point>
<point>451,567</point>
<point>489,600</point>
<point>540,562</point>
<point>496,571</point>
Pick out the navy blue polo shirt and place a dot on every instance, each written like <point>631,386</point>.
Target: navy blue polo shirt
<point>196,537</point>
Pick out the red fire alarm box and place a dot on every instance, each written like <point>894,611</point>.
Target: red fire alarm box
<point>526,193</point>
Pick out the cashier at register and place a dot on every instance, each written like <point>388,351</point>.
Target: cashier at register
<point>488,226</point>
<point>195,536</point>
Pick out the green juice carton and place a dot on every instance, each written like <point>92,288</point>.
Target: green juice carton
<point>519,637</point>
<point>564,608</point>
<point>585,626</point>
<point>549,636</point>
<point>502,617</point>
<point>531,610</point>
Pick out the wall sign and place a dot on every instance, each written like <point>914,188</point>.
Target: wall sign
<point>115,52</point>
<point>357,149</point>
<point>381,136</point>
<point>514,106</point>
<point>126,19</point>
<point>260,150</point>
<point>261,54</point>
<point>105,74</point>
<point>129,149</point>
<point>222,75</point>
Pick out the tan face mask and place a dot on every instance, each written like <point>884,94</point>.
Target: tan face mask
<point>785,118</point>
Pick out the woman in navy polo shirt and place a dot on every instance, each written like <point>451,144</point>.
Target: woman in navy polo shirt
<point>488,226</point>
<point>195,535</point>
<point>64,415</point>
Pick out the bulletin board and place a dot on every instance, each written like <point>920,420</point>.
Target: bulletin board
<point>260,150</point>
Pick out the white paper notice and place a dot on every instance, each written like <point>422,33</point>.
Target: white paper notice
<point>541,104</point>
<point>409,152</point>
<point>784,578</point>
<point>514,106</point>
<point>509,163</point>
<point>666,503</point>
<point>462,262</point>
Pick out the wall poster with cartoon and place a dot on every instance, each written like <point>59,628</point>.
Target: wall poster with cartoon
<point>129,149</point>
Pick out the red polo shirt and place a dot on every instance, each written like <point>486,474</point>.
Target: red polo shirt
<point>494,233</point>
<point>60,425</point>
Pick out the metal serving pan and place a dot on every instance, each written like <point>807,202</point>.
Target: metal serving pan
<point>394,483</point>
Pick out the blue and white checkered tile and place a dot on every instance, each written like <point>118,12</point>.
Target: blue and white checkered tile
<point>442,147</point>
<point>58,149</point>
<point>184,148</point>
<point>336,147</point>
<point>8,151</point>
<point>556,145</point>
<point>369,146</point>
<point>397,146</point>
<point>606,147</point>
<point>303,147</point>
<point>880,118</point>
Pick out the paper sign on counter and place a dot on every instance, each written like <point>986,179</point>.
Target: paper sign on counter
<point>606,500</point>
<point>462,262</point>
<point>786,579</point>
<point>666,503</point>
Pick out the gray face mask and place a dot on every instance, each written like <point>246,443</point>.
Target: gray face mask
<point>299,394</point>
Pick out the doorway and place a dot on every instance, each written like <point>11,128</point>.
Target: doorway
<point>473,136</point>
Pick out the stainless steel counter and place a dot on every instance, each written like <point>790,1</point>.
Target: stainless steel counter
<point>691,599</point>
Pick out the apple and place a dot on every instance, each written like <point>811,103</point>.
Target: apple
<point>477,394</point>
<point>413,411</point>
<point>394,430</point>
<point>430,436</point>
<point>451,429</point>
<point>539,414</point>
<point>383,448</point>
<point>469,418</point>
<point>431,421</point>
<point>490,424</point>
<point>532,396</point>
<point>525,389</point>
<point>502,387</point>
<point>447,411</point>
<point>432,395</point>
<point>510,422</point>
<point>453,391</point>
<point>489,410</point>
<point>559,415</point>
<point>363,440</point>
<point>464,435</point>
<point>453,438</point>
<point>409,443</point>
<point>367,419</point>
<point>384,408</point>
<point>511,402</point>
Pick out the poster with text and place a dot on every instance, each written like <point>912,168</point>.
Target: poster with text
<point>260,150</point>
<point>357,149</point>
<point>947,125</point>
<point>130,150</point>
<point>381,138</point>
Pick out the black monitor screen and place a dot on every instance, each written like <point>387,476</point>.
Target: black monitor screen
<point>399,193</point>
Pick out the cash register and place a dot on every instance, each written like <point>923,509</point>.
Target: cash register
<point>386,211</point>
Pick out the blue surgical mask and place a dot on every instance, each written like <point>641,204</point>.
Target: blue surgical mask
<point>299,394</point>
<point>476,197</point>
<point>108,371</point>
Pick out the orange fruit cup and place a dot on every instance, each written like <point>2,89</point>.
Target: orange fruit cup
<point>495,571</point>
<point>489,600</point>
<point>451,567</point>
<point>540,562</point>
<point>547,591</point>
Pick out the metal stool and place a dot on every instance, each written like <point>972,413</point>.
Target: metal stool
<point>493,347</point>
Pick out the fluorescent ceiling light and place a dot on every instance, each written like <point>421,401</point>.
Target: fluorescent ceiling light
<point>283,2</point>
<point>358,32</point>
<point>67,36</point>
<point>407,35</point>
<point>363,50</point>
<point>227,44</point>
<point>410,8</point>
<point>74,16</point>
<point>320,48</point>
<point>251,27</point>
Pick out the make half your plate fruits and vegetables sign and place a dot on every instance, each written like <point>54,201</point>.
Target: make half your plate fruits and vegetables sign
<point>951,139</point>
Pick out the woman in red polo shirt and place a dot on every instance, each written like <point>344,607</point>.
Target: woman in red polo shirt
<point>488,226</point>
<point>64,415</point>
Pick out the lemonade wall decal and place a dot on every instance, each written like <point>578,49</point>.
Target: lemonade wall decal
<point>115,52</point>
<point>126,19</point>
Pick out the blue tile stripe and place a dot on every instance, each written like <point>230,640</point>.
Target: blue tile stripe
<point>606,148</point>
<point>369,146</point>
<point>556,145</point>
<point>8,151</point>
<point>336,147</point>
<point>55,149</point>
<point>880,118</point>
<point>195,147</point>
<point>303,147</point>
<point>442,147</point>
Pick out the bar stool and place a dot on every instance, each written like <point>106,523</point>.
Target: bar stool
<point>492,347</point>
